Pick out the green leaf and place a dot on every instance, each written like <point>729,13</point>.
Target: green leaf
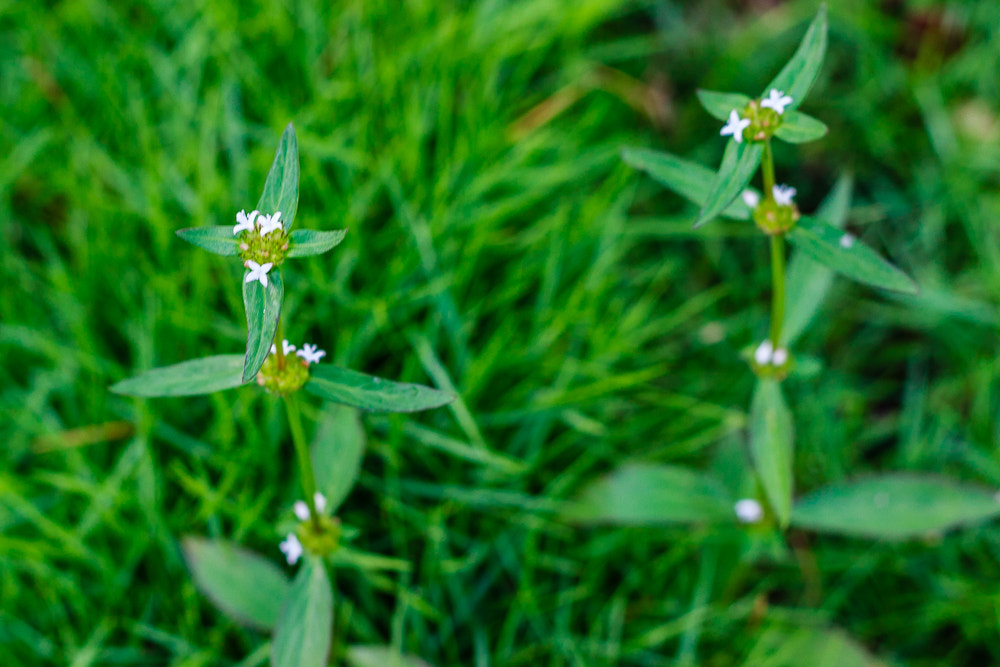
<point>305,626</point>
<point>188,378</point>
<point>373,394</point>
<point>245,586</point>
<point>337,450</point>
<point>798,128</point>
<point>795,646</point>
<point>219,240</point>
<point>895,506</point>
<point>848,256</point>
<point>381,656</point>
<point>772,445</point>
<point>718,105</point>
<point>281,190</point>
<point>797,77</point>
<point>305,242</point>
<point>641,494</point>
<point>688,179</point>
<point>807,282</point>
<point>263,306</point>
<point>739,163</point>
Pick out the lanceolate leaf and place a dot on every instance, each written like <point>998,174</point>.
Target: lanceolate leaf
<point>649,494</point>
<point>263,306</point>
<point>739,163</point>
<point>797,77</point>
<point>894,507</point>
<point>718,105</point>
<point>372,394</point>
<point>337,450</point>
<point>188,378</point>
<point>305,626</point>
<point>848,256</point>
<point>798,128</point>
<point>281,190</point>
<point>381,656</point>
<point>772,445</point>
<point>243,585</point>
<point>305,242</point>
<point>688,179</point>
<point>219,240</point>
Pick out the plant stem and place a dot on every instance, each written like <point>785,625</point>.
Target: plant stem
<point>302,452</point>
<point>279,335</point>
<point>777,287</point>
<point>767,168</point>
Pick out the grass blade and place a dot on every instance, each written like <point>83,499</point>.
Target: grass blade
<point>188,378</point>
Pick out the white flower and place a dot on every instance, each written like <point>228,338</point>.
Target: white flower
<point>735,126</point>
<point>762,355</point>
<point>748,510</point>
<point>268,223</point>
<point>310,353</point>
<point>257,272</point>
<point>244,222</point>
<point>320,501</point>
<point>779,357</point>
<point>777,100</point>
<point>302,510</point>
<point>292,548</point>
<point>846,241</point>
<point>286,347</point>
<point>751,198</point>
<point>783,194</point>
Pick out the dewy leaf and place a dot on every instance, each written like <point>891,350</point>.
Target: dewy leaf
<point>372,394</point>
<point>337,450</point>
<point>305,626</point>
<point>648,494</point>
<point>798,75</point>
<point>772,445</point>
<point>219,240</point>
<point>305,242</point>
<point>739,163</point>
<point>798,128</point>
<point>281,190</point>
<point>807,281</point>
<point>245,586</point>
<point>381,656</point>
<point>848,256</point>
<point>263,306</point>
<point>718,105</point>
<point>188,378</point>
<point>688,179</point>
<point>897,506</point>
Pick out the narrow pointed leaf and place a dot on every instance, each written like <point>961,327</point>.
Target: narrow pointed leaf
<point>188,378</point>
<point>281,190</point>
<point>305,242</point>
<point>219,240</point>
<point>263,305</point>
<point>798,128</point>
<point>305,626</point>
<point>848,256</point>
<point>895,506</point>
<point>381,656</point>
<point>337,450</point>
<point>650,494</point>
<point>688,179</point>
<point>718,104</point>
<point>739,163</point>
<point>772,445</point>
<point>372,394</point>
<point>248,588</point>
<point>798,75</point>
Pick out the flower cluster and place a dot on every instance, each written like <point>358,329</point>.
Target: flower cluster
<point>748,510</point>
<point>771,361</point>
<point>318,535</point>
<point>759,119</point>
<point>777,213</point>
<point>286,371</point>
<point>263,243</point>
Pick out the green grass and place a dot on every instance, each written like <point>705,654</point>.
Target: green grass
<point>513,255</point>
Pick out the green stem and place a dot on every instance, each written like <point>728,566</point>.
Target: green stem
<point>302,452</point>
<point>778,287</point>
<point>767,168</point>
<point>279,335</point>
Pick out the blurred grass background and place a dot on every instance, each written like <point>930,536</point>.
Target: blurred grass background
<point>497,242</point>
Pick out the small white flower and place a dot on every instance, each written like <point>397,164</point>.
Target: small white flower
<point>783,194</point>
<point>748,510</point>
<point>268,223</point>
<point>257,272</point>
<point>320,501</point>
<point>751,198</point>
<point>244,221</point>
<point>735,126</point>
<point>292,548</point>
<point>301,510</point>
<point>846,241</point>
<point>310,353</point>
<point>779,357</point>
<point>762,355</point>
<point>777,100</point>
